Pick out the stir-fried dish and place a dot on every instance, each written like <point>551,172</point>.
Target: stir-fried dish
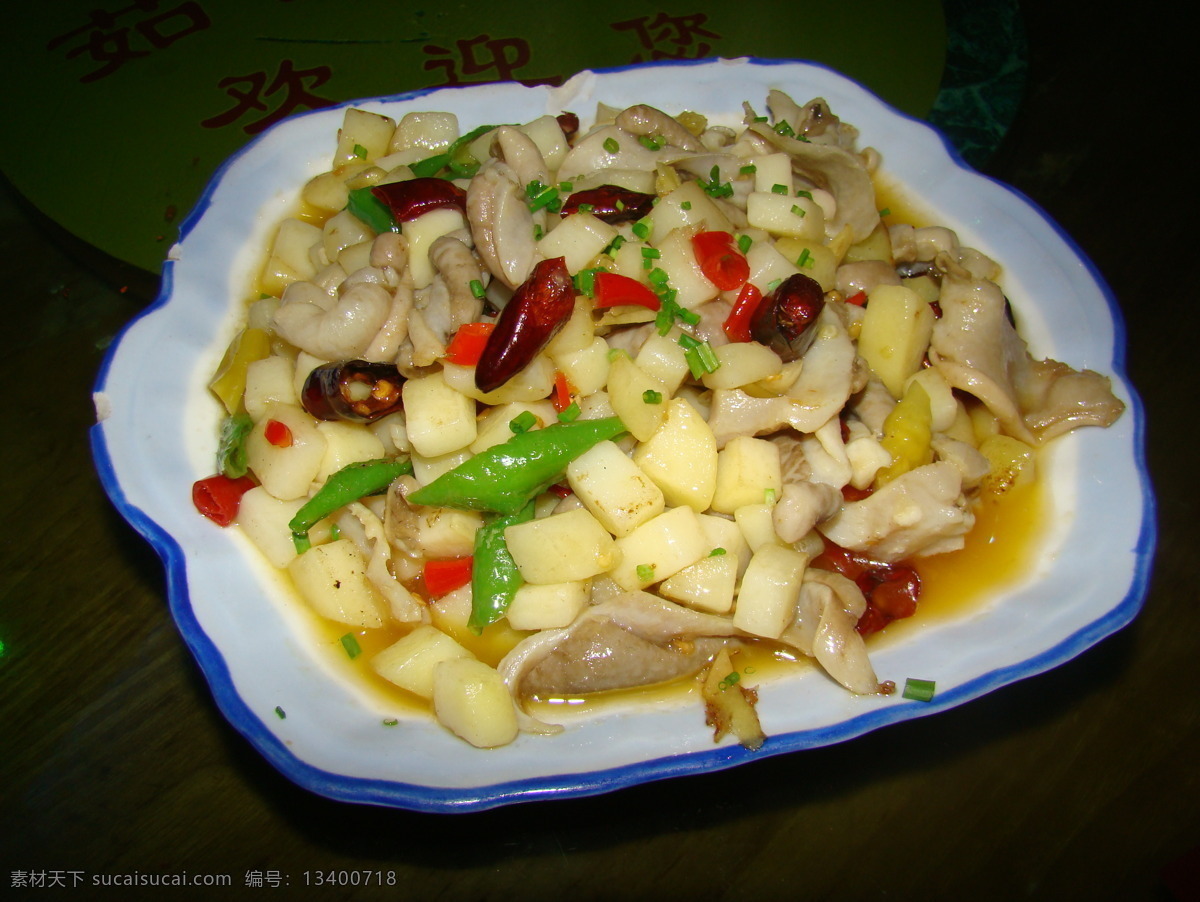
<point>631,400</point>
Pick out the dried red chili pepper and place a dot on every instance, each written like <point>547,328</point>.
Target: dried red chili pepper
<point>783,322</point>
<point>353,390</point>
<point>610,203</point>
<point>409,199</point>
<point>539,307</point>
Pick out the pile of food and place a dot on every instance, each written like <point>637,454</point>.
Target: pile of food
<point>629,400</point>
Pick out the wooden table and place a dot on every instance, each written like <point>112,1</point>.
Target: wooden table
<point>1078,784</point>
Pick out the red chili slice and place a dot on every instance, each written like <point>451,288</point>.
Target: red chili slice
<point>612,289</point>
<point>278,434</point>
<point>720,260</point>
<point>444,576</point>
<point>219,497</point>
<point>468,343</point>
<point>737,324</point>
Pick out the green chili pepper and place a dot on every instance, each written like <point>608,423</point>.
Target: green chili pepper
<point>348,484</point>
<point>494,575</point>
<point>507,476</point>
<point>370,210</point>
<point>231,450</point>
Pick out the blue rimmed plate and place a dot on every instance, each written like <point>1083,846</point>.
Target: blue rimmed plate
<point>156,435</point>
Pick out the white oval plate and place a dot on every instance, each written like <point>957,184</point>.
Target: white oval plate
<point>156,436</point>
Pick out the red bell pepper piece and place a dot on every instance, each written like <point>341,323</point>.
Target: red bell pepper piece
<point>858,299</point>
<point>737,324</point>
<point>444,576</point>
<point>278,434</point>
<point>612,289</point>
<point>562,391</point>
<point>468,342</point>
<point>219,497</point>
<point>720,260</point>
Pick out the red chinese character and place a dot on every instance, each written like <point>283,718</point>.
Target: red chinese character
<point>295,83</point>
<point>484,54</point>
<point>112,45</point>
<point>680,33</point>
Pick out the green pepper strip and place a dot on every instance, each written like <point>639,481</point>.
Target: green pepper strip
<point>494,575</point>
<point>507,476</point>
<point>231,451</point>
<point>371,211</point>
<point>348,484</point>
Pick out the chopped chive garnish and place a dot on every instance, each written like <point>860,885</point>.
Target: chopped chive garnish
<point>769,496</point>
<point>645,573</point>
<point>716,552</point>
<point>614,353</point>
<point>586,208</point>
<point>566,186</point>
<point>641,230</point>
<point>620,205</point>
<point>335,532</point>
<point>652,142</point>
<point>585,281</point>
<point>886,211</point>
<point>611,145</point>
<point>301,541</point>
<point>805,260</point>
<point>360,151</point>
<point>784,129</point>
<point>779,189</point>
<point>649,255</point>
<point>700,356</point>
<point>919,690</point>
<point>744,242</point>
<point>773,284</point>
<point>616,245</point>
<point>477,288</point>
<point>570,413</point>
<point>799,210</point>
<point>538,232</point>
<point>353,649</point>
<point>686,205</point>
<point>803,193</point>
<point>280,713</point>
<point>658,277</point>
<point>522,422</point>
<point>650,396</point>
<point>541,196</point>
<point>391,722</point>
<point>714,187</point>
<point>748,170</point>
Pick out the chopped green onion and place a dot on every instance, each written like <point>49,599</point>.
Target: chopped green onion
<point>641,229</point>
<point>616,245</point>
<point>566,186</point>
<point>585,281</point>
<point>611,145</point>
<point>886,211</point>
<point>649,255</point>
<point>522,422</point>
<point>614,353</point>
<point>799,210</point>
<point>779,189</point>
<point>541,196</point>
<point>769,496</point>
<point>335,532</point>
<point>700,356</point>
<point>805,260</point>
<point>360,151</point>
<point>650,396</point>
<point>919,690</point>
<point>716,552</point>
<point>570,413</point>
<point>350,644</point>
<point>586,208</point>
<point>280,713</point>
<point>658,277</point>
<point>652,142</point>
<point>645,573</point>
<point>686,205</point>
<point>714,187</point>
<point>748,170</point>
<point>391,722</point>
<point>301,541</point>
<point>744,242</point>
<point>477,288</point>
<point>803,193</point>
<point>784,129</point>
<point>538,232</point>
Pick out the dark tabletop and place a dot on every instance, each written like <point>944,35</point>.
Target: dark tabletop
<point>1081,783</point>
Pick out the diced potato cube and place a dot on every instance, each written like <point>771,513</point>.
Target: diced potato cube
<point>268,381</point>
<point>628,385</point>
<point>768,266</point>
<point>333,579</point>
<point>264,519</point>
<point>659,548</point>
<point>493,426</point>
<point>681,457</point>
<point>707,585</point>
<point>686,207</point>
<point>286,470</point>
<point>614,488</point>
<point>471,700</point>
<point>812,258</point>
<point>438,418</point>
<point>757,523</point>
<point>346,443</point>
<point>533,383</point>
<point>896,329</point>
<point>561,548</point>
<point>662,357</point>
<point>544,607</point>
<point>579,238</point>
<point>292,244</point>
<point>587,369</point>
<point>741,363</point>
<point>363,136</point>
<point>771,170</point>
<point>747,468</point>
<point>421,233</point>
<point>677,258</point>
<point>409,662</point>
<point>779,214</point>
<point>721,532</point>
<point>770,590</point>
<point>426,131</point>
